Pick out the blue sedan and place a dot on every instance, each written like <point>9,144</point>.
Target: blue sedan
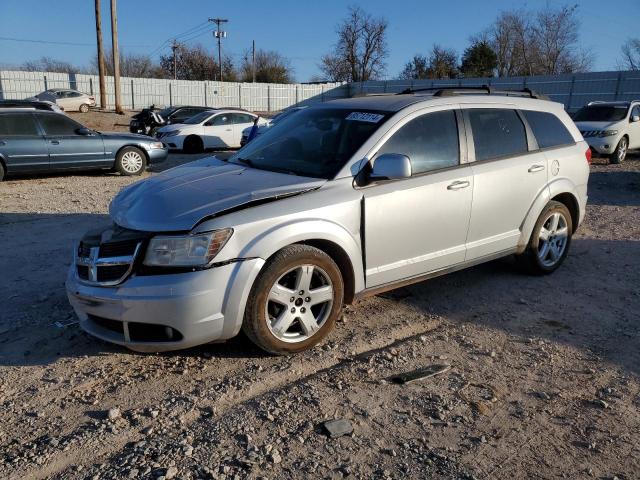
<point>37,141</point>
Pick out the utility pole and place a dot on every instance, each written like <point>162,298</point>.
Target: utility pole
<point>253,60</point>
<point>116,55</point>
<point>103,90</point>
<point>219,34</point>
<point>174,47</point>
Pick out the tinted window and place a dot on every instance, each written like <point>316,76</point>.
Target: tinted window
<point>548,129</point>
<point>58,124</point>
<point>199,118</point>
<point>223,119</point>
<point>601,113</point>
<point>18,124</point>
<point>430,142</point>
<point>241,118</point>
<point>497,133</point>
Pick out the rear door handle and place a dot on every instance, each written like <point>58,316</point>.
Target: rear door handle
<point>228,129</point>
<point>55,142</point>
<point>458,185</point>
<point>535,168</point>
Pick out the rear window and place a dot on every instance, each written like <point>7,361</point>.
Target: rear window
<point>18,124</point>
<point>548,129</point>
<point>497,133</point>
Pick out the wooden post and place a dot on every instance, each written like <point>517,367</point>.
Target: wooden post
<point>133,101</point>
<point>101,69</point>
<point>116,55</point>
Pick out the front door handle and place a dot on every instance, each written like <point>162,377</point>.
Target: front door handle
<point>228,129</point>
<point>458,185</point>
<point>55,142</point>
<point>535,168</point>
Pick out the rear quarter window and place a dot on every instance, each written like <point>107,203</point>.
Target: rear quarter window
<point>18,124</point>
<point>548,129</point>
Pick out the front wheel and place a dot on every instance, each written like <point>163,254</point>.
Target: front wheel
<point>620,153</point>
<point>130,161</point>
<point>550,240</point>
<point>84,108</point>
<point>295,301</point>
<point>193,144</point>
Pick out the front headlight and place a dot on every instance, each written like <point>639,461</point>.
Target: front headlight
<point>607,133</point>
<point>155,145</point>
<point>186,250</point>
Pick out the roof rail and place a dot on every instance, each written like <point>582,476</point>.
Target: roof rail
<point>470,90</point>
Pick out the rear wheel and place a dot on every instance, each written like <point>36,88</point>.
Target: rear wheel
<point>550,240</point>
<point>1,172</point>
<point>620,153</point>
<point>193,144</point>
<point>84,108</point>
<point>130,161</point>
<point>295,301</point>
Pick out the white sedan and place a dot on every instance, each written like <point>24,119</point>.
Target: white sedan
<point>69,100</point>
<point>211,129</point>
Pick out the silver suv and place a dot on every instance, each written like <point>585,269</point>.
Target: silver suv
<point>340,201</point>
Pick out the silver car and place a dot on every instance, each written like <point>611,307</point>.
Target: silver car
<point>342,200</point>
<point>69,100</point>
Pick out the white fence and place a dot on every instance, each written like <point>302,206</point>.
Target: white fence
<point>573,90</point>
<point>142,92</point>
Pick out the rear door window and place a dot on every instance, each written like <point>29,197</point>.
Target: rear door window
<point>58,124</point>
<point>548,129</point>
<point>430,141</point>
<point>241,118</point>
<point>18,124</point>
<point>497,133</point>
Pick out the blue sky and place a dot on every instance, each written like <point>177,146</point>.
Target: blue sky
<point>300,30</point>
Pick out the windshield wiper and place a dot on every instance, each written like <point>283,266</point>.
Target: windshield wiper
<point>247,161</point>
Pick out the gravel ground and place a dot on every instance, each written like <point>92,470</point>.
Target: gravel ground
<point>543,379</point>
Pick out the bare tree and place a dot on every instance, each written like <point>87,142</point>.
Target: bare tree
<point>416,69</point>
<point>270,67</point>
<point>48,64</point>
<point>443,63</point>
<point>631,54</point>
<point>132,65</point>
<point>361,48</point>
<point>195,63</point>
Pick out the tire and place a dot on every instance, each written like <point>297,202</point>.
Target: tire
<point>620,153</point>
<point>544,256</point>
<point>193,144</point>
<point>277,296</point>
<point>130,161</point>
<point>1,172</point>
<point>84,108</point>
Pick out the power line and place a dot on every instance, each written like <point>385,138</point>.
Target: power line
<point>175,37</point>
<point>51,42</point>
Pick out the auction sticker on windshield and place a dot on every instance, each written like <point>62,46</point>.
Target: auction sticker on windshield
<point>365,117</point>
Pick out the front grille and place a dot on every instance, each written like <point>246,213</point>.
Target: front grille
<point>108,263</point>
<point>138,332</point>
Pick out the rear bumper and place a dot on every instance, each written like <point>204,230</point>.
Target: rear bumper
<point>199,307</point>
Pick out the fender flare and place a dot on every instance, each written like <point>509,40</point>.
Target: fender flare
<point>555,188</point>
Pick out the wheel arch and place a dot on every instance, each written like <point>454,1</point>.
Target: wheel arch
<point>571,202</point>
<point>134,145</point>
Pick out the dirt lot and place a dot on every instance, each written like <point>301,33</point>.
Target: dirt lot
<point>544,378</point>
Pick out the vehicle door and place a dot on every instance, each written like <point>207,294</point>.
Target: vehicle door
<point>419,224</point>
<point>634,127</point>
<point>68,146</point>
<point>509,173</point>
<point>218,131</point>
<point>21,143</point>
<point>74,99</point>
<point>240,122</point>
<point>63,101</point>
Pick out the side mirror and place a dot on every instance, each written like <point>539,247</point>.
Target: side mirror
<point>84,131</point>
<point>391,166</point>
<point>635,118</point>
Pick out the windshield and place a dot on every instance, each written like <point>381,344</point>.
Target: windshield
<point>281,116</point>
<point>601,113</point>
<point>165,112</point>
<point>316,142</point>
<point>199,118</point>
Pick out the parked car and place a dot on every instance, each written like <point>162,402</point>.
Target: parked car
<point>342,200</point>
<point>149,120</point>
<point>39,141</point>
<point>69,100</point>
<point>610,128</point>
<point>268,124</point>
<point>31,104</point>
<point>211,129</point>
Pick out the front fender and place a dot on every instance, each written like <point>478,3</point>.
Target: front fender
<point>556,187</point>
<point>279,236</point>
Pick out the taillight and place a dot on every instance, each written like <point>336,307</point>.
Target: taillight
<point>587,154</point>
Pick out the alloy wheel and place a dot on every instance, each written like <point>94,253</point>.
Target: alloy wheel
<point>622,149</point>
<point>552,239</point>
<point>299,303</point>
<point>132,162</point>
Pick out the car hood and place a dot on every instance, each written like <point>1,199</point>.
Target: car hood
<point>180,198</point>
<point>586,126</point>
<point>127,136</point>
